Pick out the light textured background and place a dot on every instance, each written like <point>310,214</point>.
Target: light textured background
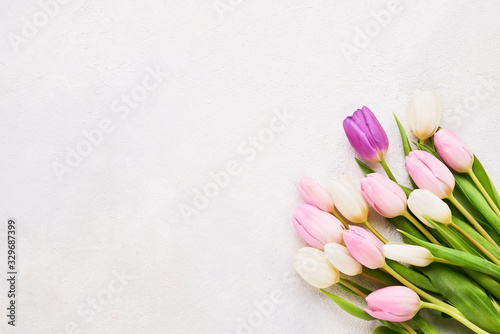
<point>229,65</point>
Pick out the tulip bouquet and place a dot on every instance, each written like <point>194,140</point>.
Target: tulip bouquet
<point>450,224</point>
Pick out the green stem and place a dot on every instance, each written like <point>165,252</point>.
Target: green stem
<point>387,170</point>
<point>440,260</point>
<point>352,288</point>
<point>410,285</point>
<point>472,220</point>
<point>421,141</point>
<point>457,315</point>
<point>421,228</point>
<point>339,217</point>
<point>483,191</point>
<point>374,231</point>
<point>408,328</point>
<point>475,243</point>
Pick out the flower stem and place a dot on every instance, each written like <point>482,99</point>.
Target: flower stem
<point>472,220</point>
<point>451,311</point>
<point>339,217</point>
<point>374,231</point>
<point>410,285</point>
<point>408,328</point>
<point>352,288</point>
<point>421,141</point>
<point>440,260</point>
<point>475,243</point>
<point>483,191</point>
<point>421,228</point>
<point>387,170</point>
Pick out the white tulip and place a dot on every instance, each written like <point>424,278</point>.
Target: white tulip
<point>349,200</point>
<point>341,259</point>
<point>313,266</point>
<point>425,113</point>
<point>409,254</point>
<point>422,203</point>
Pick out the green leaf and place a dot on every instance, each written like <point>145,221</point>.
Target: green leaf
<point>364,168</point>
<point>487,282</point>
<point>349,307</point>
<point>411,275</point>
<point>385,330</point>
<point>424,325</point>
<point>460,258</point>
<point>485,180</point>
<point>465,295</point>
<point>477,199</point>
<point>455,239</point>
<point>428,149</point>
<point>477,236</point>
<point>404,137</point>
<point>382,277</point>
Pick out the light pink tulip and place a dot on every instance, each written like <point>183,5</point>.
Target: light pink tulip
<point>313,193</point>
<point>430,173</point>
<point>317,227</point>
<point>384,195</point>
<point>364,247</point>
<point>455,153</point>
<point>394,303</point>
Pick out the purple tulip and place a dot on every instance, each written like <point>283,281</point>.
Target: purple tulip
<point>366,135</point>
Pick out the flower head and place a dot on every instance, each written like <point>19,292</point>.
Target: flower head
<point>317,227</point>
<point>384,195</point>
<point>366,135</point>
<point>364,247</point>
<point>430,173</point>
<point>425,114</point>
<point>349,200</point>
<point>313,266</point>
<point>394,303</point>
<point>313,193</point>
<point>455,153</point>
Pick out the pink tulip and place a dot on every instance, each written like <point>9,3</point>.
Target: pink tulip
<point>384,195</point>
<point>364,247</point>
<point>313,193</point>
<point>455,153</point>
<point>430,173</point>
<point>317,227</point>
<point>394,303</point>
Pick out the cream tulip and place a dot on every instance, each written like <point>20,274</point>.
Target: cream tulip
<point>422,203</point>
<point>349,200</point>
<point>342,259</point>
<point>425,114</point>
<point>313,266</point>
<point>409,254</point>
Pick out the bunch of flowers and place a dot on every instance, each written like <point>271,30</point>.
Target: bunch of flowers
<point>450,259</point>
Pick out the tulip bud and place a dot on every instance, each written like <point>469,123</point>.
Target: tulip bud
<point>317,227</point>
<point>394,303</point>
<point>366,135</point>
<point>455,153</point>
<point>349,200</point>
<point>425,114</point>
<point>384,195</point>
<point>313,266</point>
<point>341,259</point>
<point>313,193</point>
<point>424,203</point>
<point>430,173</point>
<point>409,254</point>
<point>364,247</point>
